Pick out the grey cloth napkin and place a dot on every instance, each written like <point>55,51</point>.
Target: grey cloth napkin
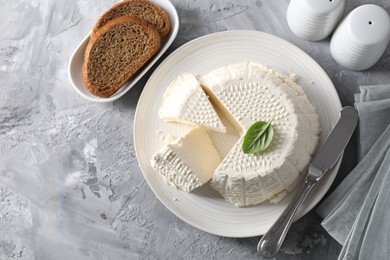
<point>373,105</point>
<point>373,93</point>
<point>357,213</point>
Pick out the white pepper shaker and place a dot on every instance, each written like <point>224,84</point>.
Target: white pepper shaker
<point>361,38</point>
<point>314,20</point>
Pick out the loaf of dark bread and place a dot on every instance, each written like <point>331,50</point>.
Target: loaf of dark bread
<point>143,9</point>
<point>116,52</point>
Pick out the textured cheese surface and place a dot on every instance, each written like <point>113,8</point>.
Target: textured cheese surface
<point>189,162</point>
<point>250,92</point>
<point>185,101</point>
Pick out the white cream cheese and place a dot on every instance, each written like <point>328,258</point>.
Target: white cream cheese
<point>184,101</point>
<point>250,92</point>
<point>189,162</point>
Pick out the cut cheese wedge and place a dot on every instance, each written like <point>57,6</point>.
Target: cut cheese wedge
<point>184,101</point>
<point>249,92</point>
<point>189,162</point>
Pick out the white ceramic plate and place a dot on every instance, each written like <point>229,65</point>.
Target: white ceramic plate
<point>205,209</point>
<point>76,60</point>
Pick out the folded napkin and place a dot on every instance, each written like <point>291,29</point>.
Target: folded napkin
<point>373,105</point>
<point>357,213</point>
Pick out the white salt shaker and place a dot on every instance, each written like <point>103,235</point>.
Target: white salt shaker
<point>314,20</point>
<point>361,38</point>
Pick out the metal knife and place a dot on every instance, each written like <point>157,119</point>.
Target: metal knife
<point>326,157</point>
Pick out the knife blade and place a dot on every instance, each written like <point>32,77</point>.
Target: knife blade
<point>331,150</point>
<point>325,158</point>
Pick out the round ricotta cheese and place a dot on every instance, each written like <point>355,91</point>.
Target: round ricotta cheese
<point>249,92</point>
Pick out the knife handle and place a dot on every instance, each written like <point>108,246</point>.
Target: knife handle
<point>271,242</point>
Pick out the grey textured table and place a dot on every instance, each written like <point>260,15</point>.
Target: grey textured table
<point>70,185</point>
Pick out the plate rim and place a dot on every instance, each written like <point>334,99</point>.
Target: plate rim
<point>301,212</point>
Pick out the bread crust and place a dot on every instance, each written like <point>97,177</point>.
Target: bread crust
<point>94,38</point>
<point>163,27</point>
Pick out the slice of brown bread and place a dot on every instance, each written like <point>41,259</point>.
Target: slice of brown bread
<point>143,9</point>
<point>116,52</point>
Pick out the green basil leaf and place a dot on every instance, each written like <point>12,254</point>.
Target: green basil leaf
<point>258,137</point>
